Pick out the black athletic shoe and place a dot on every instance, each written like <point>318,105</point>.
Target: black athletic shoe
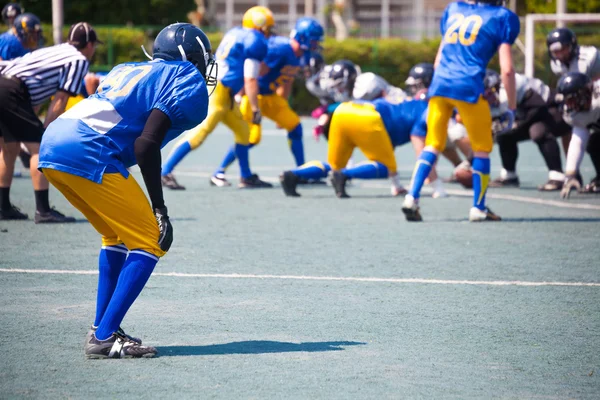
<point>338,181</point>
<point>12,213</point>
<point>593,186</point>
<point>551,186</point>
<point>253,182</point>
<point>116,346</point>
<point>170,182</point>
<point>289,181</point>
<point>411,209</point>
<point>120,331</point>
<point>52,217</point>
<point>505,182</point>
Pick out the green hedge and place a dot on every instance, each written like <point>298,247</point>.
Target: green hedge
<point>390,58</point>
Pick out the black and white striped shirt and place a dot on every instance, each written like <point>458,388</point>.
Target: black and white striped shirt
<point>47,70</point>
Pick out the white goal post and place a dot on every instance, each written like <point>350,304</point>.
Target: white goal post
<point>531,19</point>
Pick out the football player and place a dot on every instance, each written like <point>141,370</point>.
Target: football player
<point>138,108</point>
<point>535,122</point>
<point>376,125</point>
<point>9,13</point>
<point>580,97</point>
<point>566,55</point>
<point>472,32</point>
<point>239,57</point>
<point>23,37</point>
<point>283,64</point>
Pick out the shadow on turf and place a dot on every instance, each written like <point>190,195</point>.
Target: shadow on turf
<point>252,347</point>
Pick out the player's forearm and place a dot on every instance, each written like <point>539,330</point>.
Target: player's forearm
<point>251,89</point>
<point>507,74</point>
<point>56,108</point>
<point>147,154</point>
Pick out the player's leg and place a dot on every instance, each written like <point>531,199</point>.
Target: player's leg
<point>241,131</point>
<point>541,133</point>
<point>593,149</point>
<point>219,102</point>
<point>279,110</point>
<point>8,156</point>
<point>310,171</point>
<point>340,146</point>
<point>440,111</point>
<point>509,153</point>
<point>218,177</point>
<point>478,121</point>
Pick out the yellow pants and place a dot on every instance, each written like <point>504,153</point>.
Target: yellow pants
<point>221,108</point>
<point>73,100</point>
<point>476,118</point>
<point>274,107</point>
<point>359,125</point>
<point>117,208</point>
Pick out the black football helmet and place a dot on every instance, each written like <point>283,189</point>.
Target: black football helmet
<point>491,83</point>
<point>574,92</point>
<point>337,79</point>
<point>492,2</point>
<point>559,39</point>
<point>419,77</point>
<point>10,12</point>
<point>187,42</point>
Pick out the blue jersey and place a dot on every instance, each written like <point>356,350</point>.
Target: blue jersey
<point>238,45</point>
<point>403,120</point>
<point>11,47</point>
<point>471,35</point>
<point>98,134</point>
<point>283,65</point>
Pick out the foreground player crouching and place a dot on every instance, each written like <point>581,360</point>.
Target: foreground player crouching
<point>85,153</point>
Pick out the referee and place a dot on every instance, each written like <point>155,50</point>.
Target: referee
<point>26,83</point>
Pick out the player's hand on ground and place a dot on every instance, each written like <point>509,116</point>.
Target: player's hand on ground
<point>570,184</point>
<point>165,238</point>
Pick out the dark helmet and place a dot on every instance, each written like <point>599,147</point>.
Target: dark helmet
<point>560,38</point>
<point>492,2</point>
<point>574,92</point>
<point>419,77</point>
<point>28,29</point>
<point>338,79</point>
<point>10,12</point>
<point>186,42</point>
<point>314,64</point>
<point>491,83</point>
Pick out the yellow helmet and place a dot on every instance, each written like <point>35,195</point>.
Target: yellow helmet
<point>259,18</point>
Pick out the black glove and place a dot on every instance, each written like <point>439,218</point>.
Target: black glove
<point>256,117</point>
<point>165,238</point>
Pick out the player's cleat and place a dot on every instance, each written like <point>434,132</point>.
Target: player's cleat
<point>253,182</point>
<point>505,182</point>
<point>219,180</point>
<point>289,182</point>
<point>12,213</point>
<point>170,182</point>
<point>572,183</point>
<point>52,217</point>
<point>410,208</point>
<point>593,186</point>
<point>120,331</point>
<point>338,181</point>
<point>551,186</point>
<point>116,346</point>
<point>477,215</point>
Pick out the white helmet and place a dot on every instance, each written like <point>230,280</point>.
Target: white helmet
<point>369,86</point>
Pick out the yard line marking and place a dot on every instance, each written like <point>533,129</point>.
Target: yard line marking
<point>317,278</point>
<point>454,192</point>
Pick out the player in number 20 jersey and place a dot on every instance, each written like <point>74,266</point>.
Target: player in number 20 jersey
<point>472,32</point>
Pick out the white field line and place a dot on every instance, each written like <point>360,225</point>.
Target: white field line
<point>317,278</point>
<point>453,192</point>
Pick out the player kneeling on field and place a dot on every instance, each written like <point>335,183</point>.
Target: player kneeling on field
<point>85,153</point>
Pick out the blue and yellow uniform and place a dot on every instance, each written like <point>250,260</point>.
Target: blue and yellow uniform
<point>11,47</point>
<point>85,153</point>
<point>284,66</point>
<point>376,128</point>
<point>238,45</point>
<point>471,35</point>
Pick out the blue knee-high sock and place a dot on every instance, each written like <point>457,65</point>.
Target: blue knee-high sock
<point>241,152</point>
<point>110,263</point>
<point>367,170</point>
<point>424,164</point>
<point>481,178</point>
<point>312,170</point>
<point>228,160</point>
<point>134,275</point>
<point>175,157</point>
<point>296,145</point>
